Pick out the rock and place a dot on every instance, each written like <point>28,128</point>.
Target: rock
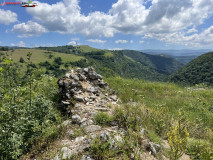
<point>101,109</point>
<point>76,84</point>
<point>92,89</point>
<point>70,133</point>
<point>79,139</point>
<point>76,119</point>
<point>143,132</point>
<point>87,123</point>
<point>66,123</point>
<point>145,144</point>
<point>65,103</point>
<point>85,157</point>
<point>77,105</point>
<point>104,136</point>
<point>152,149</point>
<point>92,128</point>
<point>60,83</point>
<point>82,77</point>
<point>67,83</point>
<point>93,75</point>
<point>65,153</point>
<point>67,75</point>
<point>86,70</point>
<point>114,98</point>
<point>79,99</point>
<point>157,147</point>
<point>118,138</point>
<point>75,77</point>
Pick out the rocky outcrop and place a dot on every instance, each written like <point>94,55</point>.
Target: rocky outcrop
<point>83,95</point>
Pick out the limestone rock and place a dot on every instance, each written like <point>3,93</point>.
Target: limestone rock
<point>92,128</point>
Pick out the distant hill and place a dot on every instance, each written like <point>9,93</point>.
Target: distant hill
<point>199,70</point>
<point>184,55</point>
<point>126,63</point>
<point>161,63</point>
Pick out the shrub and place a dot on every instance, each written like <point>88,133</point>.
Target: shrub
<point>103,119</point>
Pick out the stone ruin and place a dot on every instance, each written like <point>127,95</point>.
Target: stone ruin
<point>83,94</point>
<point>85,90</point>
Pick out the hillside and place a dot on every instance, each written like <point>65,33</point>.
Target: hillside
<point>200,70</point>
<point>161,63</point>
<point>127,64</point>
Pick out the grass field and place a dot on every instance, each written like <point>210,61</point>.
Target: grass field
<point>41,55</point>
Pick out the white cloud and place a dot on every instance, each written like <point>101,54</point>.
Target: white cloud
<point>163,19</point>
<point>75,39</point>
<point>96,41</point>
<point>0,42</point>
<point>121,41</point>
<point>192,30</point>
<point>7,17</point>
<point>28,29</point>
<point>131,41</point>
<point>116,49</point>
<point>73,43</point>
<point>20,44</point>
<point>203,39</point>
<point>141,41</point>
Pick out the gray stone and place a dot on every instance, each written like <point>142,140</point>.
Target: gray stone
<point>86,70</point>
<point>76,119</point>
<point>143,132</point>
<point>92,89</point>
<point>65,153</point>
<point>85,157</point>
<point>77,105</point>
<point>104,136</point>
<point>93,75</point>
<point>61,83</point>
<point>157,147</point>
<point>70,133</point>
<point>79,99</point>
<point>66,123</point>
<point>152,149</point>
<point>75,77</point>
<point>67,83</point>
<point>67,75</point>
<point>92,128</point>
<point>114,98</point>
<point>82,77</point>
<point>76,84</point>
<point>79,139</point>
<point>65,103</point>
<point>87,123</point>
<point>118,138</point>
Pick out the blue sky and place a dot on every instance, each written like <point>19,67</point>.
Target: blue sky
<point>109,24</point>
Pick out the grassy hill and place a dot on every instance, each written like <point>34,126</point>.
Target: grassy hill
<point>199,70</point>
<point>127,64</point>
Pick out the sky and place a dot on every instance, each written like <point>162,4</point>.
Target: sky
<point>109,24</point>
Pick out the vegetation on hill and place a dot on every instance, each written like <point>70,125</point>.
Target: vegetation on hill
<point>161,63</point>
<point>107,63</point>
<point>199,70</point>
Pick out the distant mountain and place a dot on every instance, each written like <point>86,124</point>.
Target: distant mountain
<point>184,56</point>
<point>182,52</point>
<point>199,70</point>
<point>161,63</point>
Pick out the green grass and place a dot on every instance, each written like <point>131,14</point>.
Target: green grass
<point>86,48</point>
<point>40,56</point>
<point>164,100</point>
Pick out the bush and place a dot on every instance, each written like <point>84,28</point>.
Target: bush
<point>21,60</point>
<point>103,119</point>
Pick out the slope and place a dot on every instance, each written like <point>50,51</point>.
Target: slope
<point>200,70</point>
<point>161,63</point>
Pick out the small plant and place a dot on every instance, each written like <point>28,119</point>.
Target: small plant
<point>177,138</point>
<point>21,60</point>
<point>103,119</point>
